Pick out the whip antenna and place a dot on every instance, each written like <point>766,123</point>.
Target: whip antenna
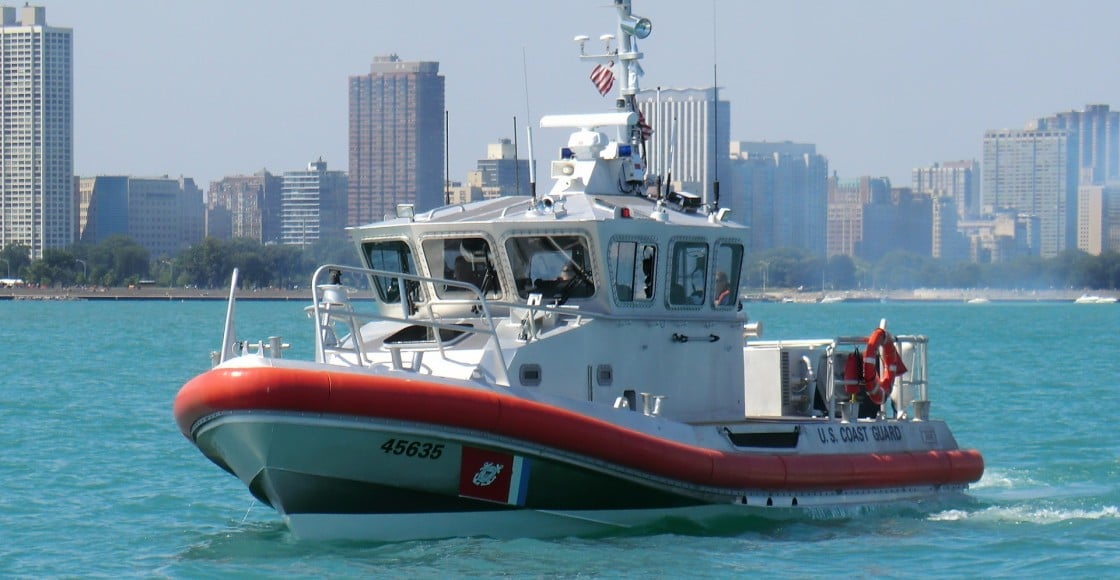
<point>715,112</point>
<point>529,128</point>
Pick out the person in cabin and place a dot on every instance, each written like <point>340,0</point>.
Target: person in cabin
<point>463,271</point>
<point>722,290</point>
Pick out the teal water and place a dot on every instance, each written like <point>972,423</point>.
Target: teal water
<point>95,478</point>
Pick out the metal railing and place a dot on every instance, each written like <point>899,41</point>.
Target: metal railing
<point>331,306</point>
<point>912,350</point>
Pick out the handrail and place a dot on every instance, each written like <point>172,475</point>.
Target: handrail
<point>916,376</point>
<point>489,327</point>
<point>428,215</point>
<point>229,334</point>
<point>507,209</point>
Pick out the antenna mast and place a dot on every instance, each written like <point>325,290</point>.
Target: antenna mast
<point>516,161</point>
<point>528,128</point>
<point>715,112</point>
<point>446,158</point>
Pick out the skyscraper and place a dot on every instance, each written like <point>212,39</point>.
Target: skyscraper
<point>847,199</point>
<point>1098,219</point>
<point>1095,135</point>
<point>102,208</point>
<point>245,206</point>
<point>37,202</point>
<point>502,172</point>
<point>958,181</point>
<point>312,204</point>
<point>396,138</point>
<point>899,220</point>
<point>690,137</point>
<point>781,192</point>
<point>1034,173</point>
<point>163,214</point>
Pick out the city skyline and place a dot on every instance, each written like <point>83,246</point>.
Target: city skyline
<point>879,87</point>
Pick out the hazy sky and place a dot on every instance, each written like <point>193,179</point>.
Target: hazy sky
<point>208,88</point>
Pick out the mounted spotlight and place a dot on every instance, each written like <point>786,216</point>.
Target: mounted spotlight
<point>637,26</point>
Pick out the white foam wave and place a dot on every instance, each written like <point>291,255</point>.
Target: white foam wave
<point>1001,479</point>
<point>1026,514</point>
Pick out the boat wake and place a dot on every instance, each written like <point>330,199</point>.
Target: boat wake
<point>1013,496</point>
<point>999,479</point>
<point>241,539</point>
<point>733,525</point>
<point>1028,514</point>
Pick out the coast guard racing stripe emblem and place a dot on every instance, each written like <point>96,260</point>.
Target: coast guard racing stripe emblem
<point>493,476</point>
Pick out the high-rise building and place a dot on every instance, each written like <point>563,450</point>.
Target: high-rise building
<point>949,244</point>
<point>690,138</point>
<point>846,201</point>
<point>102,208</point>
<point>1000,236</point>
<point>245,206</point>
<point>1095,137</point>
<point>1098,218</point>
<point>37,201</point>
<point>899,220</point>
<point>312,204</point>
<point>502,173</point>
<point>459,192</point>
<point>162,214</point>
<point>1034,173</point>
<point>781,192</point>
<point>396,138</point>
<point>958,181</point>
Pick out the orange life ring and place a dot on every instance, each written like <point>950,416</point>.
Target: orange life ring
<point>878,386</point>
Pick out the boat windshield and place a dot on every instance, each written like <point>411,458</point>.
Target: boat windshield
<point>694,279</point>
<point>688,275</point>
<point>633,266</point>
<point>554,266</point>
<point>463,259</point>
<point>728,267</point>
<point>394,256</point>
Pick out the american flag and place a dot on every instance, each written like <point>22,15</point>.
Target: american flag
<point>603,77</point>
<point>647,131</point>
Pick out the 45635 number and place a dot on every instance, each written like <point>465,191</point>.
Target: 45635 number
<point>413,448</point>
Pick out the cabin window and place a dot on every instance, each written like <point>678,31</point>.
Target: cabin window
<point>725,283</point>
<point>688,275</point>
<point>554,266</point>
<point>633,265</point>
<point>605,375</point>
<point>392,256</point>
<point>469,260</point>
<point>530,375</point>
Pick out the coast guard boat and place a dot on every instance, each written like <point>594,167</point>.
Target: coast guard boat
<point>560,364</point>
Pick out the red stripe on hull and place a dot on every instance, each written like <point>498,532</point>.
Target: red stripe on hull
<point>337,392</point>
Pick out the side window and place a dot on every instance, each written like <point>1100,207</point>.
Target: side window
<point>392,256</point>
<point>555,266</point>
<point>728,267</point>
<point>467,260</point>
<point>633,265</point>
<point>688,275</point>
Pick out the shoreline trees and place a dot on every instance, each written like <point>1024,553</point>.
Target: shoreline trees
<point>118,262</point>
